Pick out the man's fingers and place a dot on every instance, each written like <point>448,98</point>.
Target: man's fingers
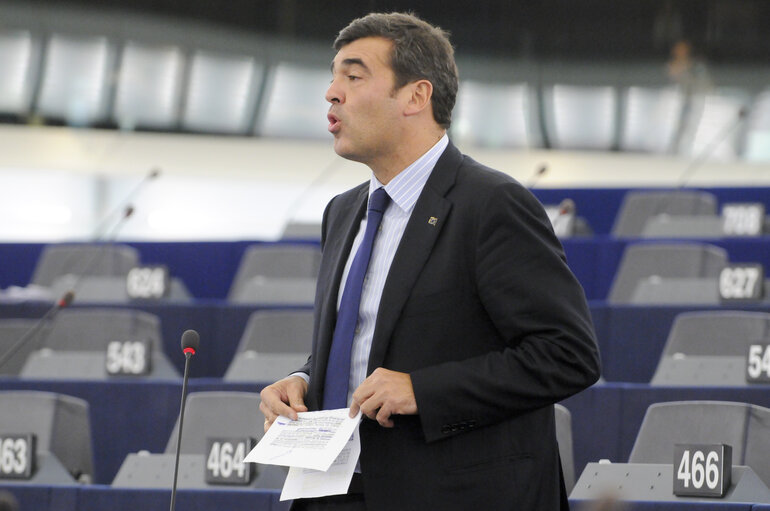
<point>383,417</point>
<point>283,397</point>
<point>296,400</point>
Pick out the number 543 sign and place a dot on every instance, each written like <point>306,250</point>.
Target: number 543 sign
<point>702,470</point>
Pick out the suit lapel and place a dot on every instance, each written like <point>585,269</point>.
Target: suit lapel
<point>428,218</point>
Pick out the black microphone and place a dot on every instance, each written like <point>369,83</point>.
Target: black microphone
<point>190,343</point>
<point>566,207</point>
<point>124,204</point>
<point>296,204</point>
<point>705,153</point>
<point>699,160</point>
<point>64,302</point>
<point>563,211</point>
<point>541,170</point>
<point>108,241</point>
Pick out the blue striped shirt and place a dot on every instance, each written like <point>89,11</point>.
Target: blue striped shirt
<point>404,189</point>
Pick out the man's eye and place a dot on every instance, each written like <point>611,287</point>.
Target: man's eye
<point>352,77</point>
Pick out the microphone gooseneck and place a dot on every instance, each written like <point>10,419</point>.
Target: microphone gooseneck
<point>190,345</point>
<point>541,170</point>
<point>62,303</point>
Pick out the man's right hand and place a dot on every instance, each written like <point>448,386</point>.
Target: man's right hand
<point>285,397</point>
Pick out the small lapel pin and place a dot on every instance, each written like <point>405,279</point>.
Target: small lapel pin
<point>433,220</point>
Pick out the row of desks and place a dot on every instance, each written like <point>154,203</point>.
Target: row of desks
<point>631,338</point>
<point>208,268</point>
<point>129,416</point>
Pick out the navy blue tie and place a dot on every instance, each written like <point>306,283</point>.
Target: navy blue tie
<point>338,368</point>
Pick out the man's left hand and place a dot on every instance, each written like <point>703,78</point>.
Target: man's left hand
<point>382,394</point>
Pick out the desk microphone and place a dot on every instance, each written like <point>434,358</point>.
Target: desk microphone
<point>566,207</point>
<point>536,176</point>
<point>190,343</point>
<point>124,204</point>
<point>64,302</point>
<point>108,240</point>
<point>700,159</point>
<point>301,199</point>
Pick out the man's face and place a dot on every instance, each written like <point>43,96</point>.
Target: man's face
<point>365,111</point>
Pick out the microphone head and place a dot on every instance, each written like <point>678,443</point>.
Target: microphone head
<point>190,341</point>
<point>566,206</point>
<point>155,172</point>
<point>542,169</point>
<point>129,211</point>
<point>66,300</point>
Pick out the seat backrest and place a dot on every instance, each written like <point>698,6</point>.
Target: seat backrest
<point>639,206</point>
<point>714,333</point>
<point>106,259</point>
<point>744,427</point>
<point>217,414</point>
<point>92,329</point>
<point>276,262</point>
<point>757,451</point>
<point>60,423</point>
<point>302,230</point>
<point>564,438</point>
<point>278,331</point>
<point>675,260</point>
<point>11,331</point>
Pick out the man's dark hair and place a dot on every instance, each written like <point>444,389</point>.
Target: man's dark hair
<point>420,51</point>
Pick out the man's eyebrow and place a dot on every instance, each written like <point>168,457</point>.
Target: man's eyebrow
<point>353,61</point>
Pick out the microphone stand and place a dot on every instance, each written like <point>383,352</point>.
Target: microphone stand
<point>190,343</point>
<point>125,203</point>
<point>64,302</point>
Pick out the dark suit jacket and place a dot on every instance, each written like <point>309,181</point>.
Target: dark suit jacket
<point>483,312</point>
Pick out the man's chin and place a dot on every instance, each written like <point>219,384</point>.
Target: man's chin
<point>345,151</point>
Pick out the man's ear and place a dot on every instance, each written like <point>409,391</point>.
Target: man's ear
<point>420,93</point>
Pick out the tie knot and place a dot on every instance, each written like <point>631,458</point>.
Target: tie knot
<point>378,201</point>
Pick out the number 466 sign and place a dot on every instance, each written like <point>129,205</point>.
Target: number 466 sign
<point>702,470</point>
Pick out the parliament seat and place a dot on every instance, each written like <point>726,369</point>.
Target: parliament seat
<point>660,273</point>
<point>76,345</point>
<point>11,332</point>
<point>62,430</point>
<point>208,415</point>
<point>744,427</point>
<point>274,343</point>
<point>564,439</point>
<point>640,207</point>
<point>93,260</point>
<point>302,230</point>
<point>276,274</point>
<point>710,347</point>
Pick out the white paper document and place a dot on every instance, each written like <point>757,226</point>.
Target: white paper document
<point>313,441</point>
<point>305,483</point>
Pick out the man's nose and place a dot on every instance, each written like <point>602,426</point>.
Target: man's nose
<point>333,93</point>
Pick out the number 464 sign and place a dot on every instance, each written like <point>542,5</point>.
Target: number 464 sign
<point>224,461</point>
<point>702,470</point>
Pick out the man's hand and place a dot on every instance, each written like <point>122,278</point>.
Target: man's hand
<point>285,397</point>
<point>384,393</point>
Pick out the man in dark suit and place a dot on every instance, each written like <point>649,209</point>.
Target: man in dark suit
<point>470,325</point>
